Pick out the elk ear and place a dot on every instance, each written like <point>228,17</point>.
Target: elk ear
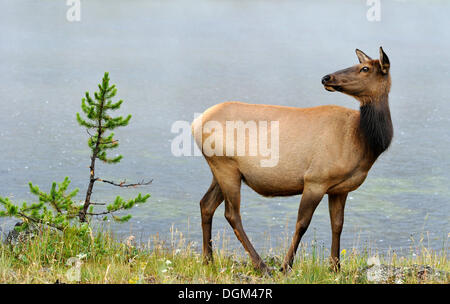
<point>384,61</point>
<point>361,56</point>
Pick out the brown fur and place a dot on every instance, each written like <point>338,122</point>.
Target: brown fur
<point>322,150</point>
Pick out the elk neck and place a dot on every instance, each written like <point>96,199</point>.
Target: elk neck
<point>375,125</point>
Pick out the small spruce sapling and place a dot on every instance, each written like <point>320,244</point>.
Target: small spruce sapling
<point>57,208</point>
<point>98,119</point>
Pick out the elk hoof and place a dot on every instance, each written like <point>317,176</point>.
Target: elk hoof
<point>335,267</point>
<point>268,271</point>
<point>285,268</point>
<point>335,264</point>
<point>264,268</point>
<point>207,259</point>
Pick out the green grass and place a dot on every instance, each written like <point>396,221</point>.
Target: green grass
<point>49,257</point>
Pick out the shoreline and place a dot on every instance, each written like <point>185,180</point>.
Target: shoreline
<point>50,257</point>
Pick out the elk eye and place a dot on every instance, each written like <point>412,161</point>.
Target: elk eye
<point>365,69</point>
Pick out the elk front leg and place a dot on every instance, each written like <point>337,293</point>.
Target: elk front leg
<point>310,200</point>
<point>336,204</point>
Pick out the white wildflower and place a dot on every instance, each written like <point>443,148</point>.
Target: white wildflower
<point>81,256</point>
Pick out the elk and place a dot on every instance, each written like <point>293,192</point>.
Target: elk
<point>322,150</point>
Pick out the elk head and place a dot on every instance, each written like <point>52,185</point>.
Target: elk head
<point>365,81</point>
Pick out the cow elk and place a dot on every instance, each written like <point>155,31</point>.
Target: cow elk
<point>322,150</point>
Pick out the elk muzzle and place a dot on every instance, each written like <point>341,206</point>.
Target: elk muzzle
<point>328,83</point>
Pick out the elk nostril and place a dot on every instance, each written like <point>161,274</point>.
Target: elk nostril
<point>326,78</point>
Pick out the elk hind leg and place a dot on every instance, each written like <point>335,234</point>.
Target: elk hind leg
<point>208,205</point>
<point>231,188</point>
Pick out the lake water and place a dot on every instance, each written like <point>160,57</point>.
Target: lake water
<point>171,59</point>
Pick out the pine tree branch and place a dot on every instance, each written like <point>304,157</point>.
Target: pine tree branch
<point>102,213</point>
<point>39,221</point>
<point>123,185</point>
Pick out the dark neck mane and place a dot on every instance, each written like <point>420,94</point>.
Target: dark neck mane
<point>375,125</point>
